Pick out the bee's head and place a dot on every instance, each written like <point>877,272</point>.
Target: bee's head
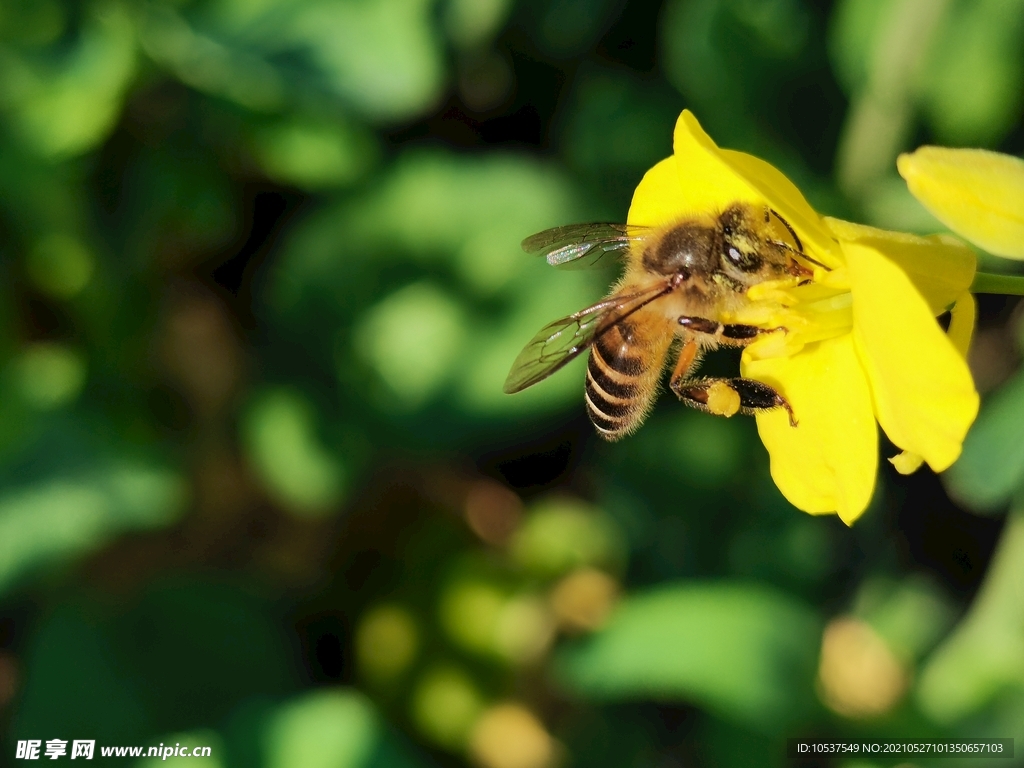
<point>747,253</point>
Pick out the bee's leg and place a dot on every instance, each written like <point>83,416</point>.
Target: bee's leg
<point>733,335</point>
<point>723,397</point>
<point>727,397</point>
<point>687,358</point>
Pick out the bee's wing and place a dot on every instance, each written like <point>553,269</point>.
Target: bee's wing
<point>583,245</point>
<point>561,341</point>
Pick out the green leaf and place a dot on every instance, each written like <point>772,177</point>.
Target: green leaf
<point>49,375</point>
<point>432,209</point>
<point>63,516</point>
<point>852,38</point>
<point>562,533</point>
<point>71,108</point>
<point>973,82</point>
<point>470,23</point>
<point>743,651</point>
<point>124,671</point>
<point>413,339</point>
<point>984,655</point>
<point>324,729</point>
<point>385,57</point>
<point>314,154</point>
<point>569,27</point>
<point>445,703</point>
<point>617,126</point>
<point>60,265</point>
<point>452,217</point>
<point>280,436</point>
<point>991,467</point>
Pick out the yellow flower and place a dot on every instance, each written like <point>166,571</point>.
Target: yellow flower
<point>976,193</point>
<point>861,343</point>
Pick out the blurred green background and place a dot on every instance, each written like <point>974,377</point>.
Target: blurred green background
<point>260,490</point>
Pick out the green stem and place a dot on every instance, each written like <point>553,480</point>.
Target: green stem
<point>1011,285</point>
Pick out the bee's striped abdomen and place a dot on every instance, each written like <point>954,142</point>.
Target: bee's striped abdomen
<point>622,376</point>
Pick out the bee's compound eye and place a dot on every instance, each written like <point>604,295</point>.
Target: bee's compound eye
<point>727,230</point>
<point>735,256</point>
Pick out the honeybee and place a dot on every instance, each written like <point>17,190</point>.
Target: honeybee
<point>679,280</point>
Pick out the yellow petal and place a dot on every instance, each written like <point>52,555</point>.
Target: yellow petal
<point>961,323</point>
<point>940,267</point>
<point>693,182</point>
<point>763,183</point>
<point>923,392</point>
<point>961,328</point>
<point>712,182</point>
<point>907,463</point>
<point>786,200</point>
<point>709,179</point>
<point>659,198</point>
<point>828,462</point>
<point>976,193</point>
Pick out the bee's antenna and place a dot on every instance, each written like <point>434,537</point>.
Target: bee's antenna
<point>787,225</point>
<point>801,254</point>
<point>799,250</point>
